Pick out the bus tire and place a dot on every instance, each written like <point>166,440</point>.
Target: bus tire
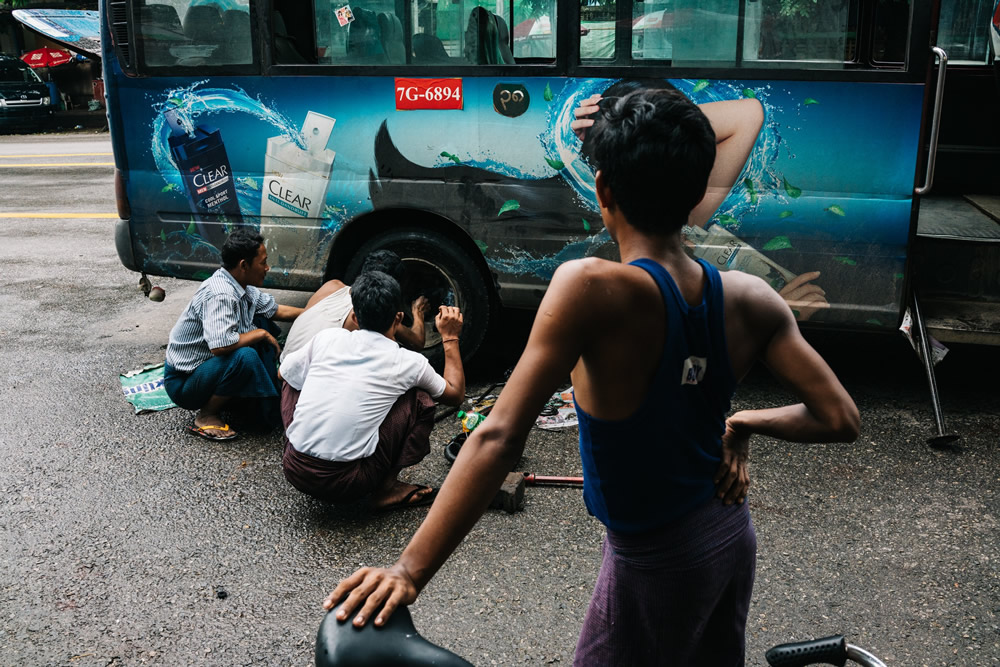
<point>439,268</point>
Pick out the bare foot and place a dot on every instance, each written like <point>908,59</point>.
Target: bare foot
<point>401,494</point>
<point>208,420</point>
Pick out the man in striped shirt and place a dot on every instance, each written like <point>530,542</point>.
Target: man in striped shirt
<point>223,346</point>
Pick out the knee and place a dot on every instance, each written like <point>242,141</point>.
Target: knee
<point>245,355</point>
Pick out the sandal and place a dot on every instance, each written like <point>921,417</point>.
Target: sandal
<point>213,432</point>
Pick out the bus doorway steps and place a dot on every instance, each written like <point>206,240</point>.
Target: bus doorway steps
<point>943,439</point>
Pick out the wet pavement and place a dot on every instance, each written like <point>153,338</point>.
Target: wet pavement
<point>126,541</point>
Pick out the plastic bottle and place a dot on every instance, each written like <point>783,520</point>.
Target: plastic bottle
<point>470,420</point>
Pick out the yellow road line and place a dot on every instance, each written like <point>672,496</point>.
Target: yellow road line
<point>55,155</point>
<point>59,215</point>
<point>57,164</point>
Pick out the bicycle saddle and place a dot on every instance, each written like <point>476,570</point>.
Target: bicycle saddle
<point>395,644</point>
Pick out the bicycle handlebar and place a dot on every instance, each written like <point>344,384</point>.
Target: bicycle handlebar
<point>828,651</point>
<point>340,644</point>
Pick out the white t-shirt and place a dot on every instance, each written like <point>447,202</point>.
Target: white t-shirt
<point>349,381</point>
<point>330,311</point>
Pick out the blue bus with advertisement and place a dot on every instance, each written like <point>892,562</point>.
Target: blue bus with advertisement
<point>449,131</point>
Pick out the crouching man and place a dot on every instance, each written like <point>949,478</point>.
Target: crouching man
<point>358,408</point>
<point>223,346</point>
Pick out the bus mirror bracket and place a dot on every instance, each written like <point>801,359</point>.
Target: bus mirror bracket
<point>935,123</point>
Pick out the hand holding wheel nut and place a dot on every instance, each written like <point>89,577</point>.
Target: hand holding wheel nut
<point>448,322</point>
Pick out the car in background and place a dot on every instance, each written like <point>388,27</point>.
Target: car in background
<point>24,97</point>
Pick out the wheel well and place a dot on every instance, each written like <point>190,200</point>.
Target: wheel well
<point>355,234</point>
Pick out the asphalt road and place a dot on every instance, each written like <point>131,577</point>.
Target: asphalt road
<point>125,541</point>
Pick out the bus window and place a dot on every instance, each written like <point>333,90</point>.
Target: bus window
<point>379,32</point>
<point>534,34</point>
<point>194,33</point>
<point>802,33</point>
<point>597,30</point>
<point>891,18</point>
<point>651,30</point>
<point>963,31</point>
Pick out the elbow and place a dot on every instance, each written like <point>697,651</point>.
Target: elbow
<point>846,425</point>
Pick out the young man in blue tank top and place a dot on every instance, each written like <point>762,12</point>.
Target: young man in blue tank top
<point>654,345</point>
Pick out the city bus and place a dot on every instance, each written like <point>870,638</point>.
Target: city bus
<point>444,130</point>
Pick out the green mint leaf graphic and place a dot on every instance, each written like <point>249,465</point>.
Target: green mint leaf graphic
<point>785,214</point>
<point>809,101</point>
<point>586,225</point>
<point>547,95</point>
<point>836,210</point>
<point>700,86</point>
<point>748,184</point>
<point>749,94</point>
<point>898,276</point>
<point>555,164</point>
<point>163,236</point>
<point>726,219</point>
<point>846,260</point>
<point>453,158</point>
<point>192,229</point>
<point>482,245</point>
<point>777,243</point>
<point>792,191</point>
<point>509,205</point>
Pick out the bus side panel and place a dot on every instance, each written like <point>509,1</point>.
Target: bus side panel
<point>826,187</point>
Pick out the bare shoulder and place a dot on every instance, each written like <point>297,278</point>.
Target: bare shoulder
<point>588,277</point>
<point>588,285</point>
<point>755,300</point>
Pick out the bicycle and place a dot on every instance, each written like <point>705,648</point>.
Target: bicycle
<point>398,644</point>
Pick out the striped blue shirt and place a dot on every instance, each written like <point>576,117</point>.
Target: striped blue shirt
<point>220,311</point>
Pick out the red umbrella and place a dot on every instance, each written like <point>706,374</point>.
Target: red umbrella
<point>46,57</point>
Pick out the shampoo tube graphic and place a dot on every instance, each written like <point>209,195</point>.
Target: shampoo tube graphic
<point>208,178</point>
<point>293,197</point>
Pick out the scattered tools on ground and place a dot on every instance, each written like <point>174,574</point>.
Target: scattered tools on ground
<point>531,479</point>
<point>510,497</point>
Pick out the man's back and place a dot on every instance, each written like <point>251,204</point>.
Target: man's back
<point>619,310</point>
<point>622,308</point>
<point>349,380</point>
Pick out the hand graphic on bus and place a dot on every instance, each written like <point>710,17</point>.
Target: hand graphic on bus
<point>803,296</point>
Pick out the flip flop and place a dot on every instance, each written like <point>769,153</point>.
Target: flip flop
<point>213,432</point>
<point>411,500</point>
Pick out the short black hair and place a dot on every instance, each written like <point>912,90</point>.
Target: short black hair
<point>385,261</point>
<point>610,97</point>
<point>376,298</point>
<point>241,244</point>
<point>655,150</point>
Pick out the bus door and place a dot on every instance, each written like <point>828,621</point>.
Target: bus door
<point>957,243</point>
<point>817,111</point>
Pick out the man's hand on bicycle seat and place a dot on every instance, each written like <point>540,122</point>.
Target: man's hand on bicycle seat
<point>376,588</point>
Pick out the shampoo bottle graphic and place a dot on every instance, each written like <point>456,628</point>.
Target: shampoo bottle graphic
<point>726,251</point>
<point>201,159</point>
<point>293,197</point>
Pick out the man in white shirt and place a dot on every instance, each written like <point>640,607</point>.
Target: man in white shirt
<point>359,407</point>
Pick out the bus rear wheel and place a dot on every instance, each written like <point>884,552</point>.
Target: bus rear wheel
<point>439,269</point>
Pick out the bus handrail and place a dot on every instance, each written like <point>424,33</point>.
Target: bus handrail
<point>935,123</point>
